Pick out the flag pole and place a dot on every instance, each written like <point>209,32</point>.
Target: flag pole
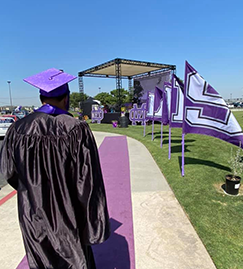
<point>172,87</point>
<point>144,128</point>
<point>161,135</point>
<point>183,155</point>
<point>183,131</point>
<point>169,155</point>
<point>153,130</point>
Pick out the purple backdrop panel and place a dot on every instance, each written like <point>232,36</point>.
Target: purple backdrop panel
<point>146,84</point>
<point>118,250</point>
<point>177,103</point>
<point>206,112</point>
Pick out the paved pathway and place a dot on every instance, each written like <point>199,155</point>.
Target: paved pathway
<point>163,235</point>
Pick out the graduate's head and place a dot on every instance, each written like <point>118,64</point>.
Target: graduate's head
<point>61,101</point>
<point>53,86</point>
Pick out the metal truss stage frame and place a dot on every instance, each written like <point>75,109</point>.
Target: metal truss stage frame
<point>123,69</point>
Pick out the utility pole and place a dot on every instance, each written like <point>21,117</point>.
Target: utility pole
<point>10,93</point>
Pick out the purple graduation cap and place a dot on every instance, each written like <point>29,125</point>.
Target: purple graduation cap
<point>52,82</point>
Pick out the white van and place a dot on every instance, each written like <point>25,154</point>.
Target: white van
<point>5,122</point>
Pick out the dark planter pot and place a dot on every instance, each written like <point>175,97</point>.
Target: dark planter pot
<point>232,186</point>
<point>123,121</point>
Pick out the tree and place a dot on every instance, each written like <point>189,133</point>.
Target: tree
<point>105,98</point>
<point>76,98</point>
<point>112,99</point>
<point>124,96</point>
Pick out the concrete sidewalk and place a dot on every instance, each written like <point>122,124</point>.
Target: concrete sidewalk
<point>163,235</point>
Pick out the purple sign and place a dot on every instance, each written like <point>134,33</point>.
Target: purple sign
<point>97,114</point>
<point>138,114</point>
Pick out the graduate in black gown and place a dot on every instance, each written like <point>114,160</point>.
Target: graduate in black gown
<point>51,159</point>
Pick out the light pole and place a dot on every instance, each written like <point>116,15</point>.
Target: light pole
<point>10,93</point>
<point>99,89</point>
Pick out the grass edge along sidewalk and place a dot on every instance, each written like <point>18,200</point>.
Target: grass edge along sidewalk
<point>216,217</point>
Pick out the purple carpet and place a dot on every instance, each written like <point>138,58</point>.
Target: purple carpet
<point>118,251</point>
<point>23,264</point>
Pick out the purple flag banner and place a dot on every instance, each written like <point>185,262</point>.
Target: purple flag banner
<point>150,106</point>
<point>176,106</point>
<point>167,101</point>
<point>161,103</point>
<point>158,104</point>
<point>206,112</point>
<point>150,111</point>
<point>159,96</point>
<point>161,107</point>
<point>177,103</point>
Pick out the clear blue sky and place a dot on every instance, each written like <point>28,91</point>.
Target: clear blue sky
<point>76,35</point>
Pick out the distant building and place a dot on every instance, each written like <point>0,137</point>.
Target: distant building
<point>233,100</point>
<point>9,109</point>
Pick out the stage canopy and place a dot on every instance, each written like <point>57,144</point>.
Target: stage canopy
<point>123,69</point>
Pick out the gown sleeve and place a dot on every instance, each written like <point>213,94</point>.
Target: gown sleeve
<point>91,190</point>
<point>7,166</point>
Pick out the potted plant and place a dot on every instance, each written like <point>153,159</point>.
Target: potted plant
<point>114,123</point>
<point>232,181</point>
<point>123,120</point>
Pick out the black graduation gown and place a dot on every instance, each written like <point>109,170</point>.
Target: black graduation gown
<point>53,163</point>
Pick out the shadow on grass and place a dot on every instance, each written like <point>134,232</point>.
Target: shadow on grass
<point>157,133</point>
<point>189,160</point>
<point>177,149</point>
<point>175,141</point>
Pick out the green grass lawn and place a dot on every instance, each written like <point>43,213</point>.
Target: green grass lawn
<point>217,217</point>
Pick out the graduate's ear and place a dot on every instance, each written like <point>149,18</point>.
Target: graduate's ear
<point>66,102</point>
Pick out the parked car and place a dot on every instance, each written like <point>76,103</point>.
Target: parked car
<point>3,112</point>
<point>20,114</point>
<point>5,123</point>
<point>10,116</point>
